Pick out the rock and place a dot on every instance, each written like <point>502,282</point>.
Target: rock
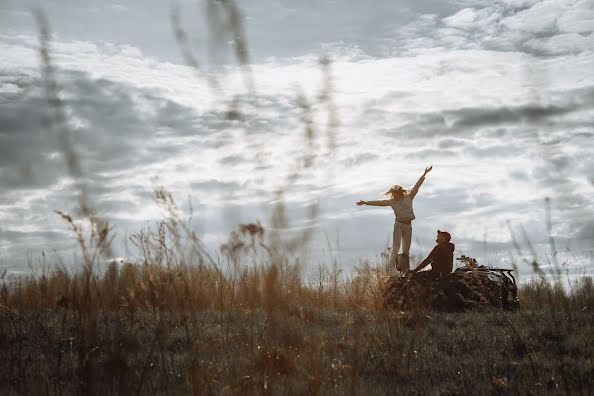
<point>466,287</point>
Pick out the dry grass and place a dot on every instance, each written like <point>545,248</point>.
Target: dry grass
<point>178,320</point>
<point>539,293</point>
<point>251,320</point>
<point>269,343</point>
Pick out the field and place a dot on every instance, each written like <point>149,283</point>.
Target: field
<point>253,319</point>
<point>153,330</point>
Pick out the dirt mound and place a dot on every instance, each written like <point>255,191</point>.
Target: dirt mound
<point>466,287</point>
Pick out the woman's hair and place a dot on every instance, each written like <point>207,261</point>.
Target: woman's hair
<point>396,192</point>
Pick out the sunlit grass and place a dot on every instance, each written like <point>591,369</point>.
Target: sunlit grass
<point>252,319</point>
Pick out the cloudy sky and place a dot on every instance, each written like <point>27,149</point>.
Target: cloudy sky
<point>497,95</point>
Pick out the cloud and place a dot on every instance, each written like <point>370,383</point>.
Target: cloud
<point>497,97</point>
<point>127,135</point>
<point>450,142</point>
<point>472,117</point>
<point>586,232</point>
<point>542,28</point>
<point>358,159</point>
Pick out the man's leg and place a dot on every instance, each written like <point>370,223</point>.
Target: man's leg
<point>396,237</point>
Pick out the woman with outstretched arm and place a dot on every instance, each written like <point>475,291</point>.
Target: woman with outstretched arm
<point>400,200</point>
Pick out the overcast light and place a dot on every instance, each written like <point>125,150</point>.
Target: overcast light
<point>497,95</point>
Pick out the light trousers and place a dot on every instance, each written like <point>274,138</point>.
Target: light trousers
<point>402,232</point>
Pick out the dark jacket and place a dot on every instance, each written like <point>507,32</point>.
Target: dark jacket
<point>441,258</point>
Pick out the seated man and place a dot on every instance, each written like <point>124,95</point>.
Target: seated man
<point>441,257</point>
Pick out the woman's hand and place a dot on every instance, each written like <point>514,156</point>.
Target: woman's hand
<point>427,170</point>
<point>361,203</point>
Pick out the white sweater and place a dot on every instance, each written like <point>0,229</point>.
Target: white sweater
<point>402,207</point>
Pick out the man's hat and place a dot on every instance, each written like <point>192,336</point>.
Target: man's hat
<point>445,234</point>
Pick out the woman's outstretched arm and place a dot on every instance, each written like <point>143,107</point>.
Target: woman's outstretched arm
<point>415,189</point>
<point>375,203</point>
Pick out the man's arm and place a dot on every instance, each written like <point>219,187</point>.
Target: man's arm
<point>427,261</point>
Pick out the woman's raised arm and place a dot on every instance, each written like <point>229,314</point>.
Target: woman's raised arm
<point>415,189</point>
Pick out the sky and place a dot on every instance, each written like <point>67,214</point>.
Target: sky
<point>329,102</point>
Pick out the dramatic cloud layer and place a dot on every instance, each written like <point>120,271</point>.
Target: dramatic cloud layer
<point>498,96</point>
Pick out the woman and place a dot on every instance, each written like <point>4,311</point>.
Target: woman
<point>401,202</point>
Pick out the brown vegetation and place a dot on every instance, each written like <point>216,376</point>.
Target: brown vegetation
<point>175,319</point>
<point>178,320</point>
